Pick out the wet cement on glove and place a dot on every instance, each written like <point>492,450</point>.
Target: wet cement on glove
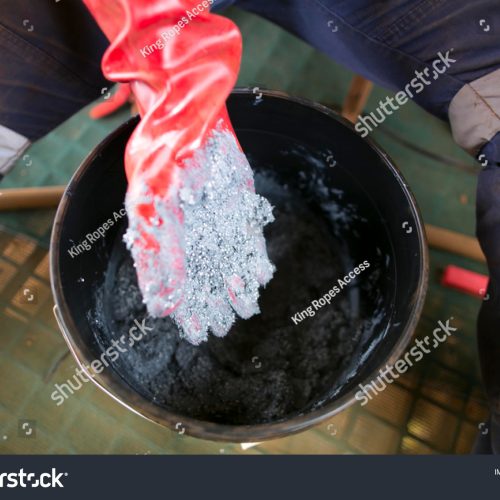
<point>266,368</point>
<point>219,241</point>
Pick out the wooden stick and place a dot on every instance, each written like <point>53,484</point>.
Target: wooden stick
<point>48,197</point>
<point>26,198</point>
<point>354,103</point>
<point>454,242</point>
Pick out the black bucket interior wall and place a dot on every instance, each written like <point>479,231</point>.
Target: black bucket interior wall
<point>337,204</point>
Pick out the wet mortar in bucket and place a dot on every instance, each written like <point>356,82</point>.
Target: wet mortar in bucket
<point>269,367</point>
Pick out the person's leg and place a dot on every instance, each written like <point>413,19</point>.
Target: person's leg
<point>387,42</point>
<point>50,64</point>
<point>488,232</point>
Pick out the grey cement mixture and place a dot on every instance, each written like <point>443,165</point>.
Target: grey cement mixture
<point>266,368</point>
<point>212,255</point>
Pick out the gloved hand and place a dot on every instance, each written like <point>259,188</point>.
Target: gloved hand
<point>195,222</point>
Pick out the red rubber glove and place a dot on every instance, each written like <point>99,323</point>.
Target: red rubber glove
<point>181,62</point>
<point>180,89</point>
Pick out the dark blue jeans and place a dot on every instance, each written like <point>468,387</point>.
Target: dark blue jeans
<point>50,72</point>
<point>50,63</point>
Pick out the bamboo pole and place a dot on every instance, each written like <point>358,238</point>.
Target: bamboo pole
<point>354,103</point>
<point>49,197</point>
<point>29,198</point>
<point>454,242</point>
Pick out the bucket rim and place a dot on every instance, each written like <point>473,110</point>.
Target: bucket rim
<point>140,405</point>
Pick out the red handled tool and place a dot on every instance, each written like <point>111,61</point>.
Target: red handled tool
<point>465,280</point>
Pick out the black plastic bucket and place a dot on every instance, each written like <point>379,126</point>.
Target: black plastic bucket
<point>339,202</point>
